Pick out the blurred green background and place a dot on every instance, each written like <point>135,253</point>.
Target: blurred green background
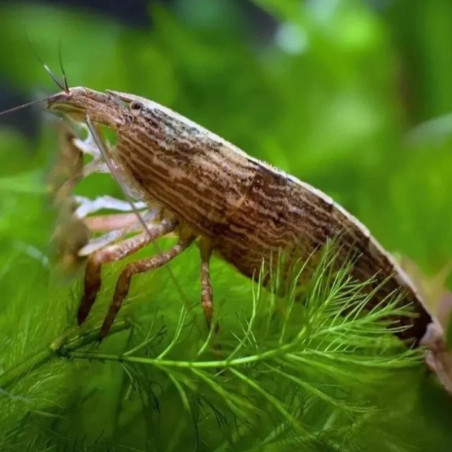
<point>354,97</point>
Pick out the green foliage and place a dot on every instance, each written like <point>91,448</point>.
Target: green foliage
<point>279,374</point>
<point>331,98</point>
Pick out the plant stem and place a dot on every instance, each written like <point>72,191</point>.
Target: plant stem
<point>174,363</point>
<point>25,367</point>
<point>282,350</point>
<point>62,346</point>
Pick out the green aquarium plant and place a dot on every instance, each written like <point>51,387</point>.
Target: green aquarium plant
<point>280,373</point>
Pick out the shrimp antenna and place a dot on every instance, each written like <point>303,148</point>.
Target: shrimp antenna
<point>28,104</point>
<point>61,84</point>
<point>63,72</point>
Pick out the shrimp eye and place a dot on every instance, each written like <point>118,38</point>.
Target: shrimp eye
<point>135,107</point>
